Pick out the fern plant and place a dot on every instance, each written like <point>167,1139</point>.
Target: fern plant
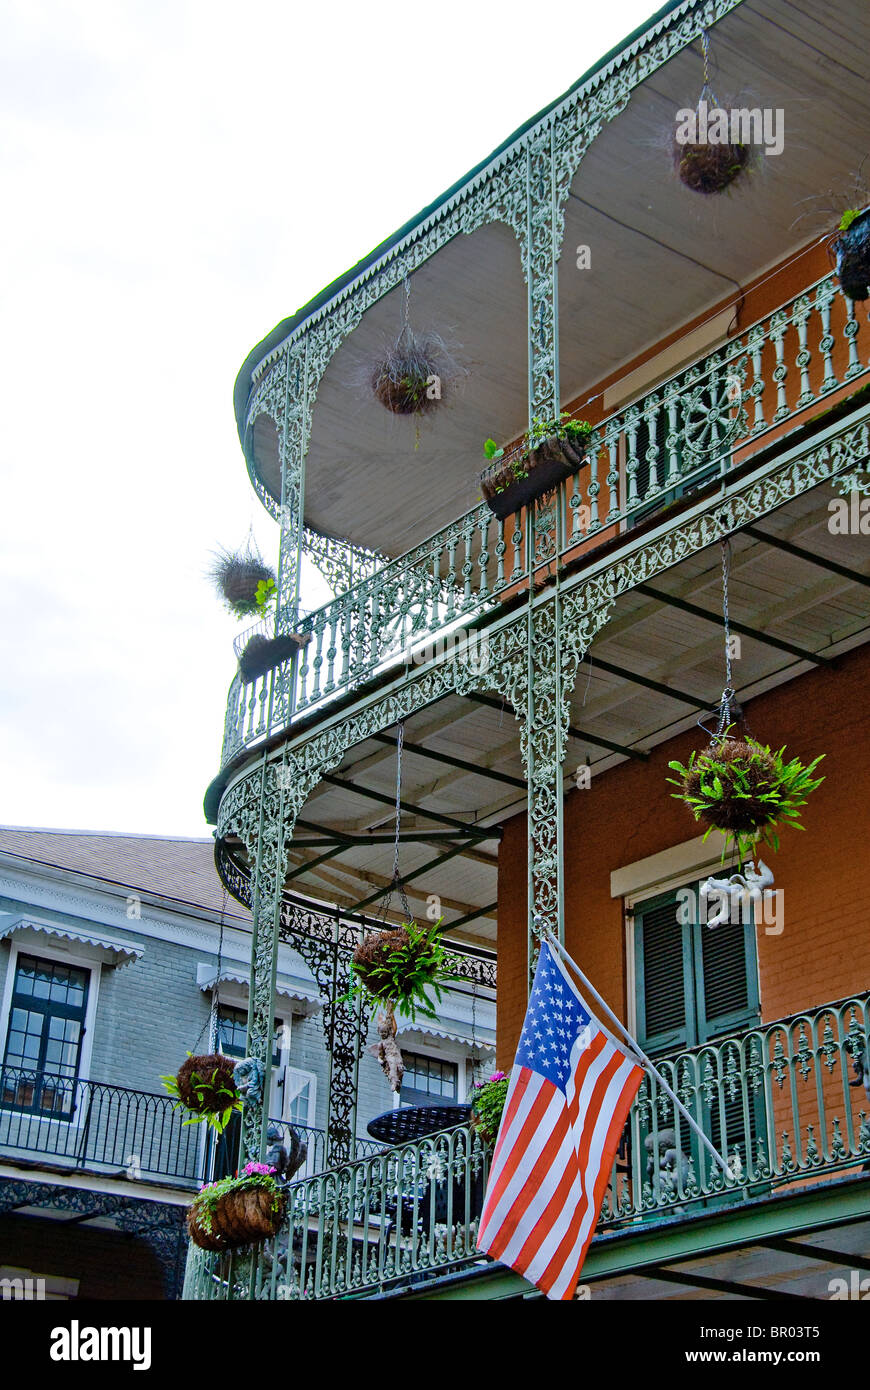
<point>399,968</point>
<point>741,788</point>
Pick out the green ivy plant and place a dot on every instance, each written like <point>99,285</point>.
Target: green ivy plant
<point>487,1106</point>
<point>207,1098</point>
<point>398,968</point>
<point>267,594</point>
<point>849,216</point>
<point>744,790</point>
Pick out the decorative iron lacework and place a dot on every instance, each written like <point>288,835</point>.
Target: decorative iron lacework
<point>525,188</point>
<point>341,563</point>
<point>326,941</point>
<point>679,436</point>
<point>552,634</point>
<point>778,1098</point>
<point>162,1226</point>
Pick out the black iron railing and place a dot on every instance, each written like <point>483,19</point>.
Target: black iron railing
<point>105,1128</point>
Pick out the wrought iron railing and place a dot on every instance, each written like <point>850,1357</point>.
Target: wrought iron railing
<point>779,1100</point>
<point>690,430</point>
<point>783,1102</point>
<point>96,1126</point>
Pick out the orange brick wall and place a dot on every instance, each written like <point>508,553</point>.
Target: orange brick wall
<point>823,952</point>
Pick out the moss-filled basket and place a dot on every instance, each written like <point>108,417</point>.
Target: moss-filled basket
<point>851,249</point>
<point>205,1087</point>
<point>405,393</point>
<point>237,1211</point>
<point>709,168</point>
<point>746,791</point>
<point>262,654</point>
<point>415,374</point>
<point>543,459</point>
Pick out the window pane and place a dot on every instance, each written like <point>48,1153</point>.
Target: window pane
<point>42,982</point>
<point>43,1041</point>
<point>429,1078</point>
<point>298,1107</point>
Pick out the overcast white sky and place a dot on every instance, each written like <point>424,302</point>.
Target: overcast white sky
<point>176,178</point>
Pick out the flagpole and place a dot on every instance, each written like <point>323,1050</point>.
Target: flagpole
<point>640,1055</point>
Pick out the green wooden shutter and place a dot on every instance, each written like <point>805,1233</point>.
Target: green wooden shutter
<point>726,977</point>
<point>693,981</point>
<point>663,961</point>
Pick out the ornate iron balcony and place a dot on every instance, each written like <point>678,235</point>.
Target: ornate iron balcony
<point>691,431</point>
<point>784,1101</point>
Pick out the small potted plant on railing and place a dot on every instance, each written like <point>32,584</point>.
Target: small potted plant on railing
<point>262,653</point>
<point>741,788</point>
<point>397,969</point>
<point>546,455</point>
<point>487,1106</point>
<point>237,1211</point>
<point>205,1087</point>
<point>850,248</point>
<point>238,576</point>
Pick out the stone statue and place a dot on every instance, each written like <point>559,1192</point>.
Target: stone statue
<point>737,891</point>
<point>286,1161</point>
<point>248,1076</point>
<point>671,1161</point>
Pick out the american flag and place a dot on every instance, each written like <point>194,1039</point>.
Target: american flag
<point>569,1094</point>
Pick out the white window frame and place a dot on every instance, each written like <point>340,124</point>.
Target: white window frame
<point>453,1053</point>
<point>18,948</point>
<point>306,1077</point>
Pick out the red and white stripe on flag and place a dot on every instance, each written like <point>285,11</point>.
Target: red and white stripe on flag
<point>570,1091</point>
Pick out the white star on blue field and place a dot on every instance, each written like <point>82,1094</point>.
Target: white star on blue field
<point>554,1020</point>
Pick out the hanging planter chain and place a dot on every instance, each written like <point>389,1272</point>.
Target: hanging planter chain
<point>728,699</point>
<point>396,881</point>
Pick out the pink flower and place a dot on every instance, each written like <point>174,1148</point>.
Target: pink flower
<point>252,1168</point>
<point>497,1076</point>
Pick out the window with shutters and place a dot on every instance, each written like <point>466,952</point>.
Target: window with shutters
<point>696,984</point>
<point>693,981</point>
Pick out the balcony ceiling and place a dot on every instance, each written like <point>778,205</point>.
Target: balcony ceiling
<point>779,595</point>
<point>660,256</point>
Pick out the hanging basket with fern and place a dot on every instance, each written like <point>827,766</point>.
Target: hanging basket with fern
<point>398,968</point>
<point>205,1088</point>
<point>741,788</point>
